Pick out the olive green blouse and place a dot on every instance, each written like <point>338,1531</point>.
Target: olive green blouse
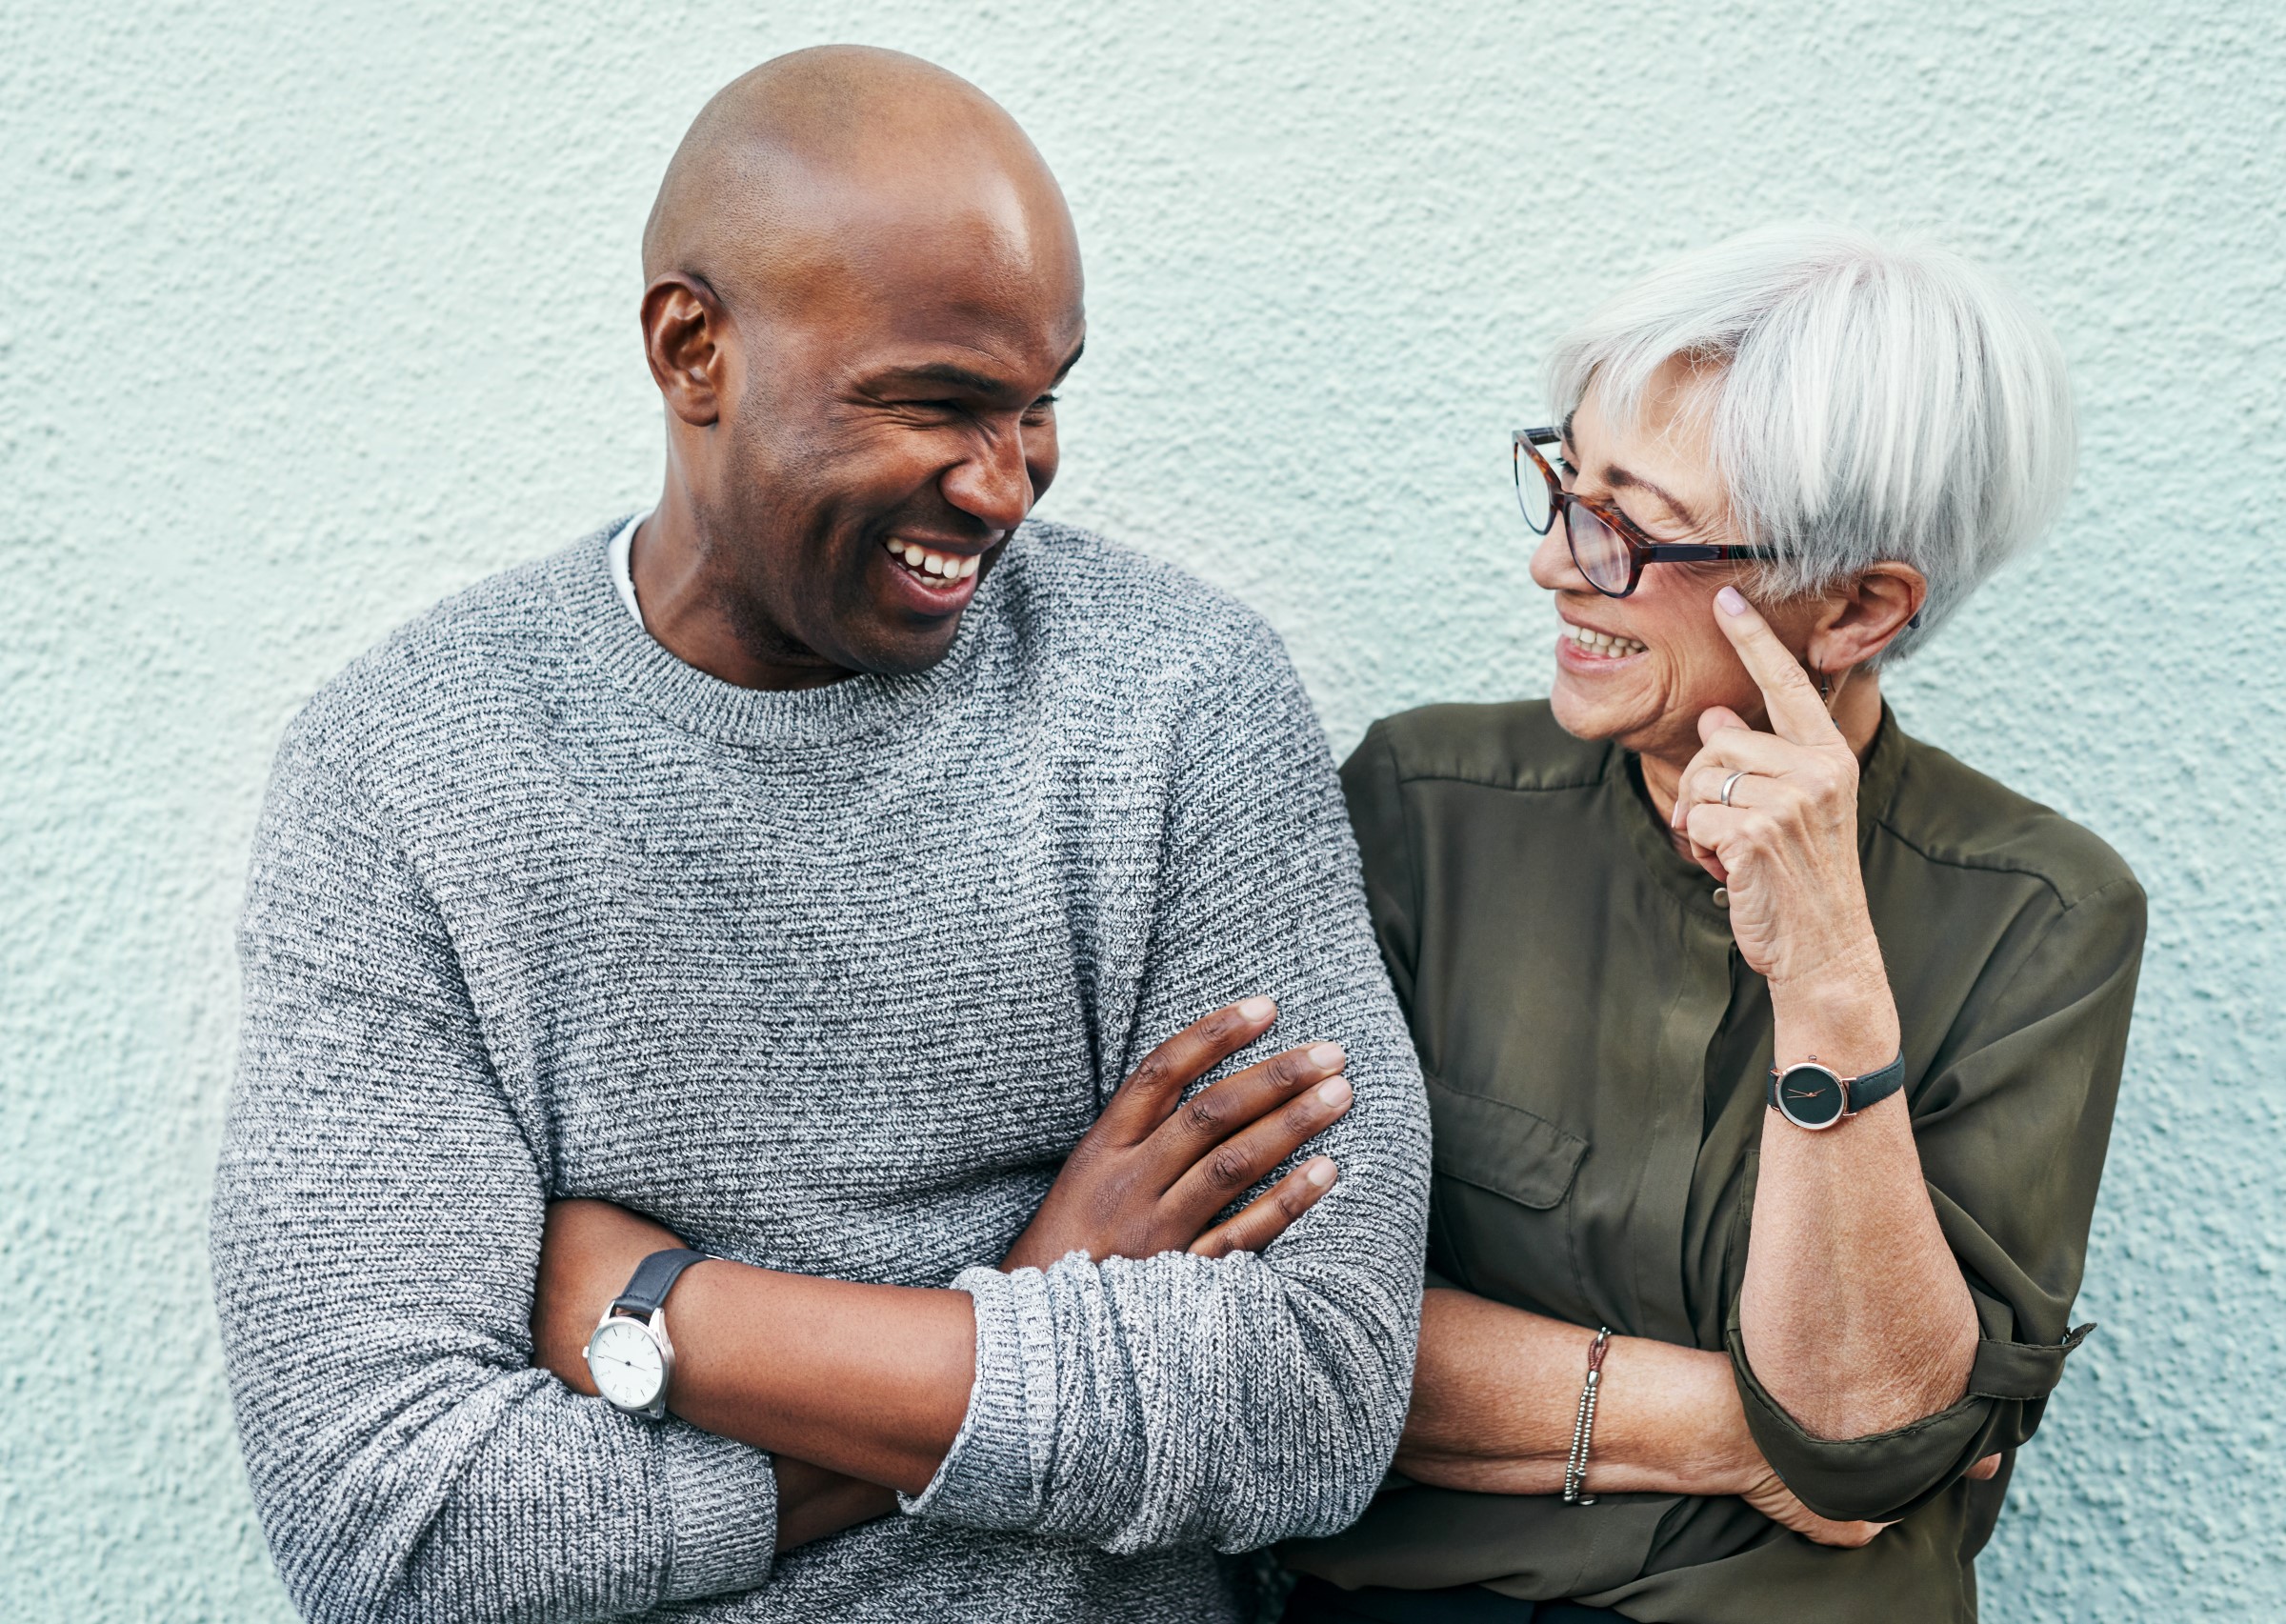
<point>1597,1050</point>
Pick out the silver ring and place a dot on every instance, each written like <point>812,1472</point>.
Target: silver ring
<point>1730,783</point>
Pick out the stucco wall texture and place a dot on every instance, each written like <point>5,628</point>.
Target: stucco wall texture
<point>309,316</point>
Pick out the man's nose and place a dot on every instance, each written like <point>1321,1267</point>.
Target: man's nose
<point>995,485</point>
<point>1551,565</point>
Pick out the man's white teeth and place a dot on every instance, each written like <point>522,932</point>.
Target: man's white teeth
<point>951,566</point>
<point>1603,643</point>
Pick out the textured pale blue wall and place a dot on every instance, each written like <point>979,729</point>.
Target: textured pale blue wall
<point>309,316</point>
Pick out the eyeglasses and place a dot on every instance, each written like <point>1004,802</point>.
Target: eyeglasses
<point>1609,549</point>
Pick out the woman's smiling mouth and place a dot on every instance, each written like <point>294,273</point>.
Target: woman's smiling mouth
<point>1599,644</point>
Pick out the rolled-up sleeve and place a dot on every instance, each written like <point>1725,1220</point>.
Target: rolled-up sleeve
<point>2011,1118</point>
<point>1246,1400</point>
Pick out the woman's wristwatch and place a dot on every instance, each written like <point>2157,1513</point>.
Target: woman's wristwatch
<point>1814,1097</point>
<point>628,1353</point>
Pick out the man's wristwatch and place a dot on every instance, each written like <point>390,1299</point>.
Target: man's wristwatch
<point>1814,1097</point>
<point>629,1353</point>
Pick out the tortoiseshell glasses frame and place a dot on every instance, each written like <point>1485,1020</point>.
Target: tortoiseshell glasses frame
<point>1607,545</point>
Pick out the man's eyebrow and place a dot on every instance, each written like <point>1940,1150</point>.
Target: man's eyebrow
<point>954,376</point>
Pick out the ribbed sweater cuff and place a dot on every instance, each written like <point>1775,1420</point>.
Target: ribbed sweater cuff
<point>995,1474</point>
<point>723,1501</point>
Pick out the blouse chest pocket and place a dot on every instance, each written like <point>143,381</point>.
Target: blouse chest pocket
<point>1504,1228</point>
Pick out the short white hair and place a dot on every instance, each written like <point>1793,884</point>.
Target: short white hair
<point>1875,401</point>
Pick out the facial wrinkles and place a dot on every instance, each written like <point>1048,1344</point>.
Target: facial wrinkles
<point>1651,667</point>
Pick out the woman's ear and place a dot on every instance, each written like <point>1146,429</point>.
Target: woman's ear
<point>1865,617</point>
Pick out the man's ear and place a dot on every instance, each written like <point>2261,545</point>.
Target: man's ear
<point>686,336</point>
<point>1865,617</point>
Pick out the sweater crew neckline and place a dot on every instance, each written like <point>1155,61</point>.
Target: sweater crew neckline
<point>641,667</point>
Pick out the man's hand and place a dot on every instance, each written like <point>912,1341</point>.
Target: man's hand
<point>1155,1169</point>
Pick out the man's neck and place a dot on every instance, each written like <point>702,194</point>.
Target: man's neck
<point>686,607</point>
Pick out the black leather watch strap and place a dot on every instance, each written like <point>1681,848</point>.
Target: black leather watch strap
<point>1857,1092</point>
<point>1875,1086</point>
<point>654,1278</point>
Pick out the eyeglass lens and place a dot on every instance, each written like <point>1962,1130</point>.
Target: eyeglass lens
<point>1532,494</point>
<point>1598,550</point>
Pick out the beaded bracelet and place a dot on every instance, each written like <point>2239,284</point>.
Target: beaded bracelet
<point>1583,1426</point>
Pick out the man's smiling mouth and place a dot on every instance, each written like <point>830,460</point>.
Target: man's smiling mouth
<point>934,568</point>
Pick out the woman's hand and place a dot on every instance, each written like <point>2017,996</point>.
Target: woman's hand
<point>1785,845</point>
<point>1775,1501</point>
<point>1153,1171</point>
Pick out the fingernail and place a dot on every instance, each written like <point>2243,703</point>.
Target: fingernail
<point>1732,601</point>
<point>1257,1009</point>
<point>1319,1173</point>
<point>1325,1056</point>
<point>1334,1090</point>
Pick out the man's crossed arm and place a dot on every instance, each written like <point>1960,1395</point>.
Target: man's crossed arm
<point>858,1389</point>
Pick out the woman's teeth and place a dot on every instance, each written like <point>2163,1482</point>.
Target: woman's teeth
<point>1603,644</point>
<point>945,567</point>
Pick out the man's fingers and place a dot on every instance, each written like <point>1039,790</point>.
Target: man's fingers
<point>1267,1216</point>
<point>1227,1171</point>
<point>1985,1470</point>
<point>1142,1102</point>
<point>1212,1115</point>
<point>1795,711</point>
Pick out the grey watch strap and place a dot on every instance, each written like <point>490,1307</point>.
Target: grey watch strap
<point>654,1278</point>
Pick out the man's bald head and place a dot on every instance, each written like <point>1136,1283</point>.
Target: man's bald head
<point>862,293</point>
<point>791,167</point>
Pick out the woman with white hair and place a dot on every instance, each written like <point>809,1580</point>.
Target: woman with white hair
<point>1772,1051</point>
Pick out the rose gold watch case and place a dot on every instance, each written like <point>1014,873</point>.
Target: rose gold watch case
<point>1841,1086</point>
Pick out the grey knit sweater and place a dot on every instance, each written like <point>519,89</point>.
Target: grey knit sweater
<point>827,981</point>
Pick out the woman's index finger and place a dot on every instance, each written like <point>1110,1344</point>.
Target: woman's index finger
<point>1795,711</point>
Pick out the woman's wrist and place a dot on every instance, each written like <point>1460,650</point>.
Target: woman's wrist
<point>1671,1423</point>
<point>1841,1011</point>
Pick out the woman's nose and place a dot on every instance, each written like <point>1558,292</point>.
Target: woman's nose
<point>1552,566</point>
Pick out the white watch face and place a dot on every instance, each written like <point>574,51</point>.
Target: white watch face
<point>625,1363</point>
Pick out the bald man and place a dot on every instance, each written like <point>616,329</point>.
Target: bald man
<point>818,1053</point>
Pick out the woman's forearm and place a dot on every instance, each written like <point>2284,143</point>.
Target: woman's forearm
<point>1495,1390</point>
<point>1855,1315</point>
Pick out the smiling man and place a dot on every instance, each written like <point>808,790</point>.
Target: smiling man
<point>778,914</point>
